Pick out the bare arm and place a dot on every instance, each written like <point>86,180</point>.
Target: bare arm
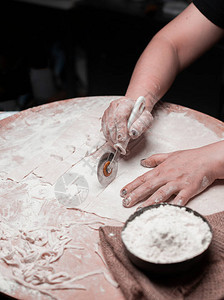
<point>173,48</point>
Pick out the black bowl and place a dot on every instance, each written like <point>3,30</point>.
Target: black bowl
<point>166,268</point>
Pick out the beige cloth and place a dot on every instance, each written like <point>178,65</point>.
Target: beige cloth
<point>206,285</point>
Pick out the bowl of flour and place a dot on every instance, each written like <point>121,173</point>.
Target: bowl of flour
<point>166,238</point>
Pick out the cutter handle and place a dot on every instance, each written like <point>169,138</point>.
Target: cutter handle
<point>137,110</point>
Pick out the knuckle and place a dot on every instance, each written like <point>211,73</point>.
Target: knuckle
<point>151,161</point>
<point>184,194</point>
<point>173,171</point>
<point>114,103</point>
<point>142,179</point>
<point>161,194</point>
<point>170,189</point>
<point>181,200</point>
<point>133,196</point>
<point>121,137</point>
<point>156,172</point>
<point>121,133</point>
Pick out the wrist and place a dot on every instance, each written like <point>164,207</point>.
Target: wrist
<point>150,98</point>
<point>217,150</point>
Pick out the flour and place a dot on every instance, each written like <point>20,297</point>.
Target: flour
<point>32,252</point>
<point>38,148</point>
<point>170,131</point>
<point>167,234</point>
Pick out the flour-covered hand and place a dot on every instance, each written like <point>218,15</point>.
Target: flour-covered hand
<point>182,174</point>
<point>115,119</point>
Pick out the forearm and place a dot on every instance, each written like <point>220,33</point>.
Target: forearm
<point>173,48</point>
<point>155,71</point>
<point>216,159</point>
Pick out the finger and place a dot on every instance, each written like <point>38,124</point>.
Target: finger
<point>122,114</point>
<point>190,191</point>
<point>140,193</point>
<point>117,120</point>
<point>161,195</point>
<point>122,147</point>
<point>109,122</point>
<point>154,160</point>
<point>104,126</point>
<point>182,198</point>
<point>127,189</point>
<point>141,124</point>
<point>112,136</point>
<point>122,137</point>
<point>122,132</point>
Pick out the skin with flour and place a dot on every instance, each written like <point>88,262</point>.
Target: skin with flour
<point>190,172</point>
<point>172,49</point>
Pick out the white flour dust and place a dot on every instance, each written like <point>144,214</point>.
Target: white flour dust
<point>39,148</point>
<point>167,234</point>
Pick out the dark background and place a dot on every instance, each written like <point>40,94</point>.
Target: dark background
<point>91,50</point>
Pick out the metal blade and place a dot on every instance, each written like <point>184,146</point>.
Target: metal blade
<point>106,176</point>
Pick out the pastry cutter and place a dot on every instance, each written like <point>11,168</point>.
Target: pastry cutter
<point>108,163</point>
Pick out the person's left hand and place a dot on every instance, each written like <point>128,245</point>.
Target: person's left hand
<point>182,174</point>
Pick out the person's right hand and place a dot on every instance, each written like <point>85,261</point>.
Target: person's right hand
<point>115,119</point>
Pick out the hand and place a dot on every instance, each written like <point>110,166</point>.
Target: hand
<point>115,118</point>
<point>181,173</point>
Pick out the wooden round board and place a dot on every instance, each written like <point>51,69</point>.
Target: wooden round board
<point>52,204</point>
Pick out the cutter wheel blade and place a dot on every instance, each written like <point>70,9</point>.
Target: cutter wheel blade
<point>104,173</point>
